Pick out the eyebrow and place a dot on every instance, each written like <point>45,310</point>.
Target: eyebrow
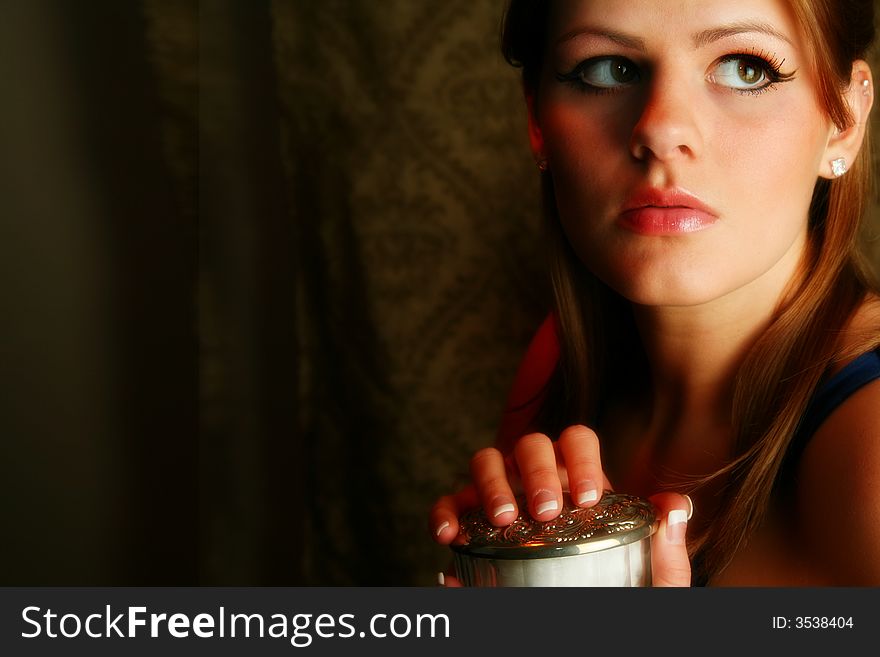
<point>700,39</point>
<point>617,37</point>
<point>711,35</point>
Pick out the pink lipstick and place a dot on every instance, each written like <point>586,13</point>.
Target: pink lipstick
<point>653,211</point>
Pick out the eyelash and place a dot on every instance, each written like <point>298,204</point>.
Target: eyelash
<point>573,77</point>
<point>771,66</point>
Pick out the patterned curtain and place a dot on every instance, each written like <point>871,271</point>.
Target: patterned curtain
<point>403,163</point>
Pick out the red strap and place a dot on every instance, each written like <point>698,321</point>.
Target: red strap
<point>529,386</point>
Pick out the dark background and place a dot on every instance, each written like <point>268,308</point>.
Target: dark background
<point>267,271</point>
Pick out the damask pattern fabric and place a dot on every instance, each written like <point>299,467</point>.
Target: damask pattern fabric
<point>375,187</point>
<point>416,200</point>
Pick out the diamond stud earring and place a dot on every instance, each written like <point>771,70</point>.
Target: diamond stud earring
<point>865,85</point>
<point>542,164</point>
<point>838,167</point>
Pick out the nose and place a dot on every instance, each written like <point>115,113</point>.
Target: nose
<point>667,127</point>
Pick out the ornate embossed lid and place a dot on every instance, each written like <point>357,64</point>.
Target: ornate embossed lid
<point>617,519</point>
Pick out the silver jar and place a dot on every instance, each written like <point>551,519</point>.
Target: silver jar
<point>608,544</point>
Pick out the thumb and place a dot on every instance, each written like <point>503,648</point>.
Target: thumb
<point>670,564</point>
<point>448,580</point>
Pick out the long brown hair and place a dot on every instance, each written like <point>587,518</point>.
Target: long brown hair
<point>784,367</point>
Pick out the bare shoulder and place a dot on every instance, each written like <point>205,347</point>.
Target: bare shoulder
<point>839,474</point>
<point>839,491</point>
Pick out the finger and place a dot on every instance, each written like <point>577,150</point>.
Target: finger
<point>579,447</point>
<point>670,563</point>
<point>443,518</point>
<point>448,580</point>
<point>536,460</point>
<point>489,474</point>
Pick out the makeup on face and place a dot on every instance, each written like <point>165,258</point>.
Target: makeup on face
<point>653,211</point>
<point>683,160</point>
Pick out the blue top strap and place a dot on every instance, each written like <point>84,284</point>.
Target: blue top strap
<point>831,394</point>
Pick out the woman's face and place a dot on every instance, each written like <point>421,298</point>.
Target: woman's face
<point>685,138</point>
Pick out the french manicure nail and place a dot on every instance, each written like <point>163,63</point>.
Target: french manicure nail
<point>503,508</point>
<point>442,526</point>
<point>441,579</point>
<point>676,526</point>
<point>588,496</point>
<point>545,501</point>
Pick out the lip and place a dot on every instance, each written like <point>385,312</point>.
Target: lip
<point>653,211</point>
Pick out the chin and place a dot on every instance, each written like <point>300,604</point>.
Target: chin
<point>668,299</point>
<point>666,290</point>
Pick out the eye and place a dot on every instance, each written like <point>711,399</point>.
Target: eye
<point>747,73</point>
<point>602,73</point>
<point>739,73</point>
<point>607,73</point>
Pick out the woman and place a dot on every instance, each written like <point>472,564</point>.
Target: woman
<point>705,166</point>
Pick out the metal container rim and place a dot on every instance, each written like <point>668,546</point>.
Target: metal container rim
<point>567,549</point>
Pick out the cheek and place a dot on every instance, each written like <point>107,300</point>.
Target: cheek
<point>589,161</point>
<point>584,147</point>
<point>770,165</point>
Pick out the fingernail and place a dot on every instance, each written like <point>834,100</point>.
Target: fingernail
<point>502,508</point>
<point>589,495</point>
<point>545,501</point>
<point>676,526</point>
<point>690,506</point>
<point>441,579</point>
<point>442,526</point>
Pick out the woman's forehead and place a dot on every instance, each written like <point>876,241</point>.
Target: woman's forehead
<point>673,20</point>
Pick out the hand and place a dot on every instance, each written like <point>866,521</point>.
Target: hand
<point>670,564</point>
<point>542,469</point>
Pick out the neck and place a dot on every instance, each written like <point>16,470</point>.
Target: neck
<point>694,352</point>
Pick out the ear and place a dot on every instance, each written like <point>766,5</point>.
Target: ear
<point>536,138</point>
<point>845,144</point>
